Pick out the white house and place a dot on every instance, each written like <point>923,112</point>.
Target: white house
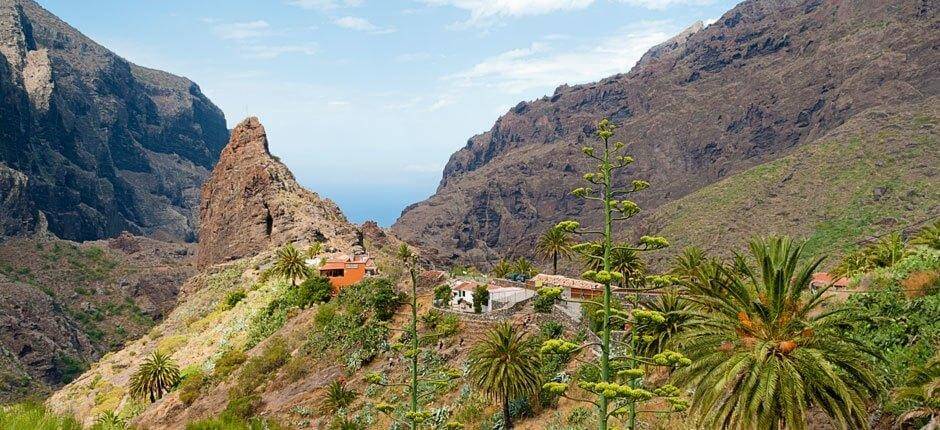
<point>500,297</point>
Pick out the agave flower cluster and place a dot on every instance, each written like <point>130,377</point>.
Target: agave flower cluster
<point>621,385</point>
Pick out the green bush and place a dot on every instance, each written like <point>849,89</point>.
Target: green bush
<point>231,423</point>
<point>352,323</point>
<point>442,295</point>
<point>551,330</point>
<point>34,416</point>
<point>260,368</point>
<point>232,299</point>
<point>192,385</point>
<point>313,290</point>
<point>481,297</point>
<point>431,319</point>
<point>228,362</point>
<point>449,326</point>
<point>242,399</point>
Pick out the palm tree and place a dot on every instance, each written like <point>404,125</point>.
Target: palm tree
<point>554,243</point>
<point>769,350</point>
<point>505,366</point>
<point>314,249</point>
<point>922,396</point>
<point>290,264</point>
<point>156,376</point>
<point>501,269</point>
<point>622,259</point>
<point>676,310</point>
<point>698,273</point>
<point>524,268</point>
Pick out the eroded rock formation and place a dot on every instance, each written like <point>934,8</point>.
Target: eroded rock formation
<point>252,202</point>
<point>106,146</point>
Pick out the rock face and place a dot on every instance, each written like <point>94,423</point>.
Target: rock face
<point>105,146</point>
<point>63,305</point>
<point>252,202</point>
<point>768,77</point>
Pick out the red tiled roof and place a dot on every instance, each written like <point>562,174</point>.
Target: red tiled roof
<point>563,281</point>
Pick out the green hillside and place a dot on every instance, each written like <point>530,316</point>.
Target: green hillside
<point>874,174</point>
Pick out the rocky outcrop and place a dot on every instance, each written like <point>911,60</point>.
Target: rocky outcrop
<point>767,77</point>
<point>252,202</point>
<point>16,207</point>
<point>64,305</point>
<point>107,146</point>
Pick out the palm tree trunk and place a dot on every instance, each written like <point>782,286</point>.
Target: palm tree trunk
<point>507,419</point>
<point>555,263</point>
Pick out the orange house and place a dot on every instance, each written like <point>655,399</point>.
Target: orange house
<point>345,271</point>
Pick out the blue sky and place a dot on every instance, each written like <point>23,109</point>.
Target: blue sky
<point>365,100</point>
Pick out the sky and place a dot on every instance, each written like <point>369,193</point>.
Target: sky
<point>365,100</point>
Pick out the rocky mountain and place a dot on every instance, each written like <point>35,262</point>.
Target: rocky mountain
<point>63,305</point>
<point>767,78</point>
<point>93,144</point>
<point>252,202</point>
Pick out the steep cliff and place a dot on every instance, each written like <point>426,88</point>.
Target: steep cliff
<point>252,202</point>
<point>766,78</point>
<point>102,145</point>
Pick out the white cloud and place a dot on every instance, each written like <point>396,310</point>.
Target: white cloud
<point>443,101</point>
<point>361,24</point>
<point>411,57</point>
<point>242,30</point>
<point>663,4</point>
<point>324,5</point>
<point>268,52</point>
<point>484,12</point>
<point>540,66</point>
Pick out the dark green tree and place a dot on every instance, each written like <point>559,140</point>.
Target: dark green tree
<point>481,298</point>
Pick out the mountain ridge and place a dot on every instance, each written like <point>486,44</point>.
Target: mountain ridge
<point>764,79</point>
<point>106,146</point>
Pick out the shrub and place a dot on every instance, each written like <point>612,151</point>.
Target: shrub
<point>551,330</point>
<point>481,297</point>
<point>231,423</point>
<point>69,367</point>
<point>260,368</point>
<point>442,295</point>
<point>34,416</point>
<point>228,362</point>
<point>192,385</point>
<point>109,421</point>
<point>297,367</point>
<point>232,299</point>
<point>546,299</point>
<point>449,326</point>
<point>241,405</point>
<point>431,319</point>
<point>313,290</point>
<point>338,396</point>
